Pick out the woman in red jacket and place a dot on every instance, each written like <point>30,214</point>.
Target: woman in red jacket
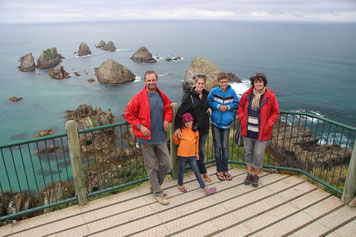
<point>258,111</point>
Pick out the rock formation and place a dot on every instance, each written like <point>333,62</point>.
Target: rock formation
<point>46,132</point>
<point>27,63</point>
<point>111,72</point>
<point>233,78</point>
<point>58,73</point>
<point>84,49</point>
<point>101,44</point>
<point>201,66</point>
<point>294,148</point>
<point>91,80</point>
<point>49,58</point>
<point>14,98</point>
<point>109,46</point>
<point>142,55</point>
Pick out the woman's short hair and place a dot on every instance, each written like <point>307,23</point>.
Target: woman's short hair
<point>259,76</point>
<point>222,75</point>
<point>197,77</point>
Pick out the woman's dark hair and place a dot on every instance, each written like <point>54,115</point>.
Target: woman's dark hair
<point>259,76</point>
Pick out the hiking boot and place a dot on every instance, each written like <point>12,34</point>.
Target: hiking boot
<point>162,200</point>
<point>255,181</point>
<point>248,179</point>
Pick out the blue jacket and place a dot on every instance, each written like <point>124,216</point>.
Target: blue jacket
<point>218,97</point>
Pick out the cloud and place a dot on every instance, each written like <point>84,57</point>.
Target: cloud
<point>90,10</point>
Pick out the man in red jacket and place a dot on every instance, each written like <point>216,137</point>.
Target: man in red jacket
<point>149,112</point>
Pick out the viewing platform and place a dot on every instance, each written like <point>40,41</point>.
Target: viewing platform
<point>282,205</point>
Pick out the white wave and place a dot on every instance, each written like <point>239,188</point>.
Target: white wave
<point>83,56</point>
<point>240,88</point>
<point>122,50</point>
<point>137,79</point>
<point>164,74</point>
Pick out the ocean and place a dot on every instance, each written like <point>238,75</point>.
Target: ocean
<point>309,66</point>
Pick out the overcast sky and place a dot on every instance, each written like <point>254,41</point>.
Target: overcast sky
<point>15,11</point>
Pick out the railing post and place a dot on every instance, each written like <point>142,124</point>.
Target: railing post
<point>75,158</point>
<point>350,183</point>
<point>174,160</point>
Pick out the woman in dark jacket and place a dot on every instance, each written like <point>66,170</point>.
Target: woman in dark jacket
<point>195,102</point>
<point>258,111</point>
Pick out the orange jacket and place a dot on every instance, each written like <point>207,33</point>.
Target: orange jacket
<point>189,144</point>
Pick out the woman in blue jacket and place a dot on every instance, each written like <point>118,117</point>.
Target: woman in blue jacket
<point>223,100</point>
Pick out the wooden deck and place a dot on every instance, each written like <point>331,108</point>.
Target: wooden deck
<point>281,206</point>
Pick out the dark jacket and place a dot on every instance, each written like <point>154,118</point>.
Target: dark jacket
<point>199,110</point>
<point>269,112</point>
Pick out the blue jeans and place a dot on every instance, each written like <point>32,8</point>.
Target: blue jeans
<point>221,147</point>
<point>200,162</point>
<point>193,165</point>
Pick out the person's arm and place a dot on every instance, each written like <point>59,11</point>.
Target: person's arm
<point>131,112</point>
<point>197,144</point>
<point>235,103</point>
<point>175,138</point>
<point>274,112</point>
<point>241,107</point>
<point>213,104</point>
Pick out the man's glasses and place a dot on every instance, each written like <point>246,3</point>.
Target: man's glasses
<point>199,76</point>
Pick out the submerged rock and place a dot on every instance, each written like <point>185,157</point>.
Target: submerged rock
<point>201,66</point>
<point>84,49</point>
<point>109,46</point>
<point>58,73</point>
<point>101,44</point>
<point>14,98</point>
<point>111,72</point>
<point>45,132</point>
<point>142,55</point>
<point>27,63</point>
<point>49,58</point>
<point>91,80</point>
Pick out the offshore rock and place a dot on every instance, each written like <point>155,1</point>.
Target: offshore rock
<point>201,66</point>
<point>142,55</point>
<point>84,49</point>
<point>109,46</point>
<point>49,58</point>
<point>27,63</point>
<point>111,72</point>
<point>14,98</point>
<point>91,80</point>
<point>101,44</point>
<point>233,78</point>
<point>58,73</point>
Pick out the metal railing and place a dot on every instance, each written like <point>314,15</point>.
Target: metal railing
<point>37,174</point>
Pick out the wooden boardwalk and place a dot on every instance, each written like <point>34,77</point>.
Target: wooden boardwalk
<point>281,206</point>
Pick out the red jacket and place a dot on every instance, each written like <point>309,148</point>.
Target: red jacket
<point>269,113</point>
<point>138,112</point>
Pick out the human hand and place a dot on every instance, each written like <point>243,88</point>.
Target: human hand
<point>197,158</point>
<point>145,131</point>
<point>209,111</point>
<point>223,108</point>
<point>165,125</point>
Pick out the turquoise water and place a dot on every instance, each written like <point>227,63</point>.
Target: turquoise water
<point>309,67</point>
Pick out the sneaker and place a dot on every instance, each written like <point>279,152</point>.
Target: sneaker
<point>255,181</point>
<point>248,179</point>
<point>210,191</point>
<point>164,193</point>
<point>162,200</point>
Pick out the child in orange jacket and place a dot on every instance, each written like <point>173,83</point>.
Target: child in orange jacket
<point>188,153</point>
